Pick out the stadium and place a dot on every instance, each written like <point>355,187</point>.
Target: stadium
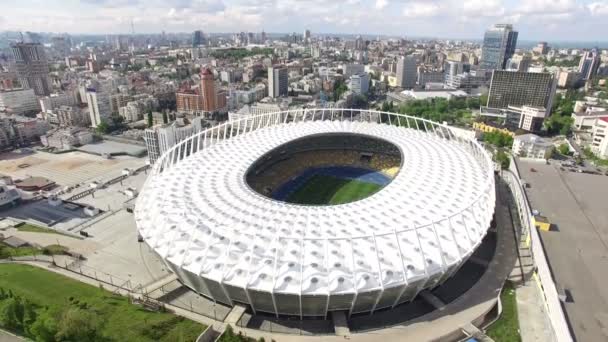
<point>310,211</point>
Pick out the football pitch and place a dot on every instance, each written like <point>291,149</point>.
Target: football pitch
<point>324,189</point>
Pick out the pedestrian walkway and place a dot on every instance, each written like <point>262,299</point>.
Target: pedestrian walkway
<point>534,324</point>
<point>6,336</point>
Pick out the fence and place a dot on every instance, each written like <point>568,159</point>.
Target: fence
<point>553,305</point>
<point>73,265</point>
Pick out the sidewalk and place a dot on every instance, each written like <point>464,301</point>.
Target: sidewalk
<point>6,336</point>
<point>534,325</point>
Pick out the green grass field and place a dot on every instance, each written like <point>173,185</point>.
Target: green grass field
<point>506,328</point>
<point>118,319</point>
<point>28,227</point>
<point>322,189</point>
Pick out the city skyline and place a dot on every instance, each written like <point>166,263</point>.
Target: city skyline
<point>535,20</point>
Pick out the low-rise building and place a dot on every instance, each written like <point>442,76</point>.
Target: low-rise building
<point>66,138</point>
<point>485,128</point>
<point>425,94</point>
<point>585,121</point>
<point>161,138</point>
<point>189,101</point>
<point>19,130</point>
<point>532,146</point>
<point>19,101</point>
<point>68,98</point>
<point>135,110</point>
<point>531,118</point>
<point>72,116</point>
<point>599,142</point>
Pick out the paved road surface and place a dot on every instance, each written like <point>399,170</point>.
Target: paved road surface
<point>578,248</point>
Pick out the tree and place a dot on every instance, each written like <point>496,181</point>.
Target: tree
<point>150,119</point>
<point>503,159</point>
<point>11,314</point>
<point>483,99</point>
<point>78,325</point>
<point>564,149</point>
<point>557,124</point>
<point>498,139</point>
<point>45,326</point>
<point>339,89</point>
<point>102,128</point>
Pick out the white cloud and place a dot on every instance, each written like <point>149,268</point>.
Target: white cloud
<point>535,19</point>
<point>483,8</point>
<point>598,8</point>
<point>380,4</point>
<point>541,7</point>
<point>421,9</point>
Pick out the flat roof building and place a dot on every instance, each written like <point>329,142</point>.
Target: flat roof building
<point>532,146</point>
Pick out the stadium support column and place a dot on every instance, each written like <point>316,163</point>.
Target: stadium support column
<point>379,274</point>
<point>405,281</point>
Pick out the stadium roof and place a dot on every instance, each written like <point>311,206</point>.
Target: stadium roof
<point>201,216</point>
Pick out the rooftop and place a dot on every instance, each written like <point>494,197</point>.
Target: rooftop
<point>202,216</point>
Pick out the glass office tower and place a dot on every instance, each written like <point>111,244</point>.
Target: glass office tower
<point>498,46</point>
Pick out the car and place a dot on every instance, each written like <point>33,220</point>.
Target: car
<point>532,169</point>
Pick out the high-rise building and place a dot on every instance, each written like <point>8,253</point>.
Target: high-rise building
<point>541,48</point>
<point>360,43</point>
<point>589,64</point>
<point>453,68</point>
<point>519,63</point>
<point>525,98</point>
<point>407,72</point>
<point>32,67</point>
<point>61,46</point>
<point>359,83</point>
<point>98,100</point>
<point>499,44</point>
<point>514,88</point>
<point>278,82</point>
<point>306,36</point>
<point>208,91</point>
<point>350,69</point>
<point>198,38</point>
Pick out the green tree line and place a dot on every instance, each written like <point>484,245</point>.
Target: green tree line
<point>74,322</point>
<point>453,111</point>
<point>239,53</point>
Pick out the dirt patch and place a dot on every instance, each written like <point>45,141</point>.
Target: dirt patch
<point>13,165</point>
<point>71,163</point>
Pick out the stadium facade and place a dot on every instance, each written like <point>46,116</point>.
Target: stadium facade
<point>232,244</point>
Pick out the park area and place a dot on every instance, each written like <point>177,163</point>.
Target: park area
<point>324,189</point>
<point>45,306</point>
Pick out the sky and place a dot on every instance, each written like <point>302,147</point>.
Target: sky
<point>551,20</point>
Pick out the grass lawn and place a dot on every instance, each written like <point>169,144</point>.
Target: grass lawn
<point>27,227</point>
<point>121,321</point>
<point>322,189</point>
<point>506,328</point>
<point>7,251</point>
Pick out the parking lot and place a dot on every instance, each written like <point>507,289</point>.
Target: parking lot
<point>67,168</point>
<point>577,246</point>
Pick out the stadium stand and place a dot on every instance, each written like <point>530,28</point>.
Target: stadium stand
<point>298,160</point>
